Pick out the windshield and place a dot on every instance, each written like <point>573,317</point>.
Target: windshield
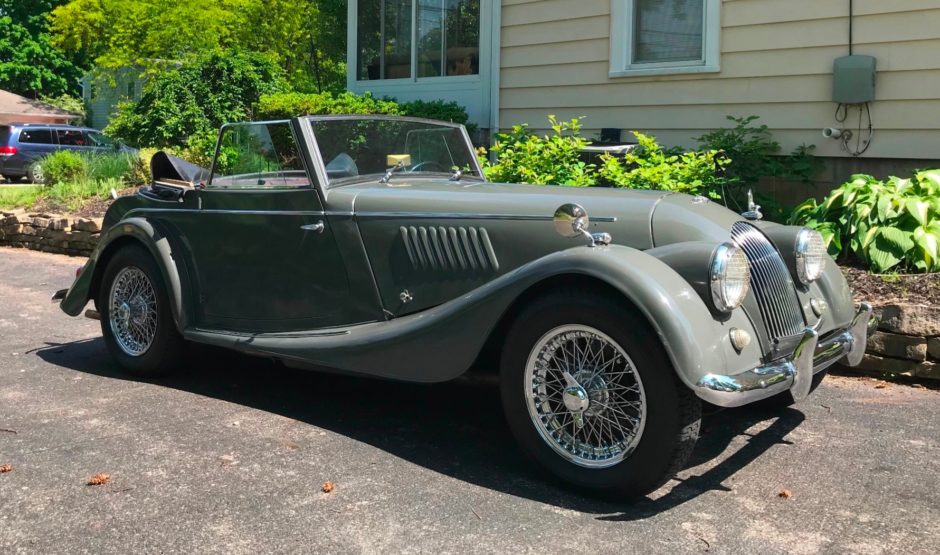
<point>356,149</point>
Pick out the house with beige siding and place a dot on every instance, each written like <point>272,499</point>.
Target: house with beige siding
<point>672,68</point>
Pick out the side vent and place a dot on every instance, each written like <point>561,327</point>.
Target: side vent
<point>449,249</point>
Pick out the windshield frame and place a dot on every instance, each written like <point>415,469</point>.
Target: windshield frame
<point>320,164</point>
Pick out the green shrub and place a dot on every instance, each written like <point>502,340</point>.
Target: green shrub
<point>66,166</point>
<point>292,104</point>
<point>63,166</point>
<point>196,97</point>
<point>649,166</point>
<point>888,225</point>
<point>438,109</point>
<point>553,159</point>
<point>140,173</point>
<point>755,154</point>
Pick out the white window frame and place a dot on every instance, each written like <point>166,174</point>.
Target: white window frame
<point>621,44</point>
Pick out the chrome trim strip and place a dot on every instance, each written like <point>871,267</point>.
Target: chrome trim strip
<point>467,216</point>
<point>248,212</point>
<point>378,215</point>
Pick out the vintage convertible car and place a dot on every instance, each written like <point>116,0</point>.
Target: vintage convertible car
<point>374,246</point>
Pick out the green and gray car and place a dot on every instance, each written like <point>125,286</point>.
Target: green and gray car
<point>374,246</point>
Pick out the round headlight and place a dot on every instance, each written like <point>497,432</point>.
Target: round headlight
<point>730,277</point>
<point>810,255</point>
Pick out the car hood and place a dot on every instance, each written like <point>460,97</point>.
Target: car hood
<point>681,218</point>
<point>624,213</point>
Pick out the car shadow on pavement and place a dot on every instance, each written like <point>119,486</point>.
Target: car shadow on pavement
<point>454,428</point>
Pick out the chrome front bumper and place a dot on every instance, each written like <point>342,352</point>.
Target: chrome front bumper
<point>796,374</point>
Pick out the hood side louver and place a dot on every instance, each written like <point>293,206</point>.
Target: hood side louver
<point>466,249</point>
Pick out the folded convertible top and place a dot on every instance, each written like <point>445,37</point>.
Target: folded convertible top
<point>167,168</point>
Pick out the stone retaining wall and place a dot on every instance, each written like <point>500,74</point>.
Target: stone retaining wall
<point>907,342</point>
<point>49,232</point>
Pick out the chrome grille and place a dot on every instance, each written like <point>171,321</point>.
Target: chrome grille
<point>449,248</point>
<point>771,283</point>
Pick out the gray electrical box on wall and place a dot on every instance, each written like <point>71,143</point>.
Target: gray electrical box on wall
<point>853,80</point>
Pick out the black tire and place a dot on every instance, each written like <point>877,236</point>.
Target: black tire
<point>35,174</point>
<point>673,412</point>
<point>785,399</point>
<point>166,348</point>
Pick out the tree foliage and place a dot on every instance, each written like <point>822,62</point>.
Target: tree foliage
<point>186,105</point>
<point>29,63</point>
<point>305,38</point>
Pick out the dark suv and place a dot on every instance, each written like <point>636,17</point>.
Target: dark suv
<point>23,145</point>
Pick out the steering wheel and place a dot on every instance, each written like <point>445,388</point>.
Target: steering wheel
<point>424,166</point>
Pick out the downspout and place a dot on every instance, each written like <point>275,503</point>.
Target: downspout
<point>495,33</point>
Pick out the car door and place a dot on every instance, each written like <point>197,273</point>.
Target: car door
<point>35,143</point>
<point>265,257</point>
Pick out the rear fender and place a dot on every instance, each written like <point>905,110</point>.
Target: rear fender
<point>139,231</point>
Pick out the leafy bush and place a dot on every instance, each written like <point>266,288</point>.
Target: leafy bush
<point>554,159</point>
<point>292,104</point>
<point>649,166</point>
<point>754,153</point>
<point>438,109</point>
<point>888,225</point>
<point>196,97</point>
<point>64,165</point>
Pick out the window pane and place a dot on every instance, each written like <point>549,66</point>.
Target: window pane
<point>97,139</point>
<point>668,31</point>
<point>70,137</point>
<point>462,41</point>
<point>384,39</point>
<point>259,155</point>
<point>36,136</point>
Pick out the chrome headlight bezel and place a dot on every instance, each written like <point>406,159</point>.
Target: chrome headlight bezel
<point>810,252</point>
<point>729,277</point>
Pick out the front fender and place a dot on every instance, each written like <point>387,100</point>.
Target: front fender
<point>442,342</point>
<point>140,231</point>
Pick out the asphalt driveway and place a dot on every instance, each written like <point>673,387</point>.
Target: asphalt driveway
<point>230,457</point>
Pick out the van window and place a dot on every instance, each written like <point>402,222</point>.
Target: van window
<point>4,134</point>
<point>36,136</point>
<point>71,137</point>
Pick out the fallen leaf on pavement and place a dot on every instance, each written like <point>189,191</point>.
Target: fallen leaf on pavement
<point>228,460</point>
<point>328,486</point>
<point>4,468</point>
<point>785,494</point>
<point>882,385</point>
<point>99,479</point>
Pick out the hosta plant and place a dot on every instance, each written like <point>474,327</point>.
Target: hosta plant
<point>891,226</point>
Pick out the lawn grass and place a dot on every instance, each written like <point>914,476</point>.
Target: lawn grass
<point>69,195</point>
<point>19,196</point>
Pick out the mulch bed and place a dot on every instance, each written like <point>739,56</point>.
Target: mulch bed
<point>888,288</point>
<point>92,208</point>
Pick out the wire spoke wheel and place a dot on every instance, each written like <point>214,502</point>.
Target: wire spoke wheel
<point>132,311</point>
<point>585,396</point>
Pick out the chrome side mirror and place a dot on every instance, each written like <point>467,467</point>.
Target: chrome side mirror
<point>571,220</point>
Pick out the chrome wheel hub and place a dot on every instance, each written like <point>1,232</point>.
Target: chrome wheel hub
<point>585,396</point>
<point>132,306</point>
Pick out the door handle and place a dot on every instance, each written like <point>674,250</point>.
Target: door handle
<point>318,227</point>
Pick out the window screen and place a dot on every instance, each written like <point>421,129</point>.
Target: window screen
<point>668,31</point>
<point>37,136</point>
